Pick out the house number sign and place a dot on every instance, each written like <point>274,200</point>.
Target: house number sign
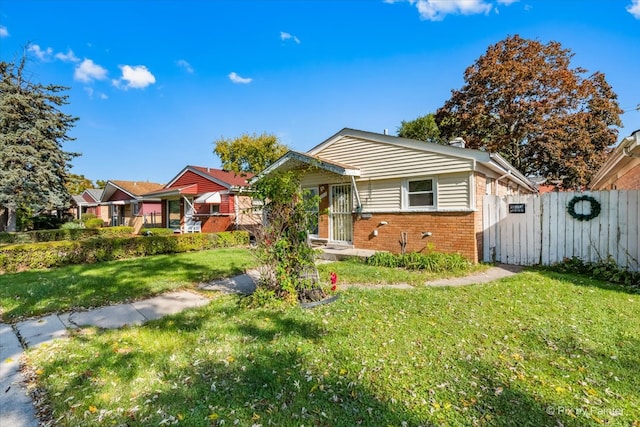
<point>517,208</point>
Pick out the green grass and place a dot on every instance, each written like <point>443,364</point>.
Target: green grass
<point>353,271</point>
<point>40,292</point>
<point>535,349</point>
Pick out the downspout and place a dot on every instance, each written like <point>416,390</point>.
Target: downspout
<point>628,153</point>
<point>499,178</point>
<point>355,190</point>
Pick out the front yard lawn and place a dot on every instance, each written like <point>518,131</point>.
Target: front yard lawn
<point>535,349</point>
<point>39,292</point>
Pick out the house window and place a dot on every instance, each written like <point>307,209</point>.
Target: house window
<point>214,209</point>
<point>420,193</point>
<point>135,208</point>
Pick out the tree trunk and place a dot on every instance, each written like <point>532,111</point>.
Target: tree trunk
<point>12,215</point>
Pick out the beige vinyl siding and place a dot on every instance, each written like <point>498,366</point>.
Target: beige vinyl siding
<point>315,178</point>
<point>380,195</point>
<point>382,161</point>
<point>453,191</point>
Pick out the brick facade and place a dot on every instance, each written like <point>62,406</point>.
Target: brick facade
<point>630,180</point>
<point>450,232</point>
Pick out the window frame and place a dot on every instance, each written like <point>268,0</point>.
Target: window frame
<point>406,193</point>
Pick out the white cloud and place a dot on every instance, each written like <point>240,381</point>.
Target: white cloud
<point>287,36</point>
<point>67,57</point>
<point>42,55</point>
<point>185,65</point>
<point>507,2</point>
<point>87,71</point>
<point>634,8</point>
<point>103,96</point>
<point>237,79</point>
<point>436,10</point>
<point>136,77</point>
<point>3,32</point>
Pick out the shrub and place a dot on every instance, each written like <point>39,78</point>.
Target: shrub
<point>157,232</point>
<point>119,231</point>
<point>46,222</point>
<point>23,257</point>
<point>71,225</point>
<point>433,262</point>
<point>606,269</point>
<point>93,223</point>
<point>86,216</point>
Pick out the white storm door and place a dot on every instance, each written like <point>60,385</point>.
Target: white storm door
<point>340,219</point>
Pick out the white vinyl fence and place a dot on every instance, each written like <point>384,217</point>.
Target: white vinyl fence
<point>537,229</point>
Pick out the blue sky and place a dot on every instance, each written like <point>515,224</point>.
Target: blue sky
<point>155,83</point>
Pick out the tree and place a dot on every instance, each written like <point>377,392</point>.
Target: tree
<point>76,184</point>
<point>249,153</point>
<point>522,100</point>
<point>424,128</point>
<point>33,166</point>
<point>101,183</point>
<point>286,257</point>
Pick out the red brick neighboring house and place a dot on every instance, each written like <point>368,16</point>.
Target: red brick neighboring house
<point>121,201</point>
<point>388,193</point>
<point>621,170</point>
<point>209,196</point>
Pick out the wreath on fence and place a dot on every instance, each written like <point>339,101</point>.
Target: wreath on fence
<point>594,212</point>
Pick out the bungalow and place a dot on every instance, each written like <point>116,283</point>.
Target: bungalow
<point>87,203</point>
<point>210,198</point>
<point>382,192</point>
<point>621,170</point>
<point>122,201</point>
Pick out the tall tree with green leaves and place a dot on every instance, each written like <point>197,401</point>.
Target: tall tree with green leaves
<point>424,128</point>
<point>249,153</point>
<point>33,165</point>
<point>76,184</point>
<point>521,99</point>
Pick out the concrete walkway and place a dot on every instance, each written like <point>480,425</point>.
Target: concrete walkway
<point>16,408</point>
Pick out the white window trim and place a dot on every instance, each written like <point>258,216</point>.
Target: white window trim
<point>405,195</point>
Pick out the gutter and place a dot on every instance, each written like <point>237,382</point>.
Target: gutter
<point>629,147</point>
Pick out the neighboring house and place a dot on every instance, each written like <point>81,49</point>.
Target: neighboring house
<point>87,203</point>
<point>121,201</point>
<point>212,197</point>
<point>621,170</point>
<point>383,192</point>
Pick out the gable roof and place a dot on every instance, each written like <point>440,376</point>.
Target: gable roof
<point>224,178</point>
<point>94,193</point>
<point>294,159</point>
<point>135,189</point>
<point>491,160</point>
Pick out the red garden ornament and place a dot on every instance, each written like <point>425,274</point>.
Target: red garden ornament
<point>334,280</point>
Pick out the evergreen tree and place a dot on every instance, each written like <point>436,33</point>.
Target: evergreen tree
<point>33,165</point>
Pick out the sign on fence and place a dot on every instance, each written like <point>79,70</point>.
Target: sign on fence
<point>546,233</point>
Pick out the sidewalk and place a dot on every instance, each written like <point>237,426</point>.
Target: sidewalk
<point>16,408</point>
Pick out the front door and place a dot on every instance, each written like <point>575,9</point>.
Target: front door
<point>340,219</point>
